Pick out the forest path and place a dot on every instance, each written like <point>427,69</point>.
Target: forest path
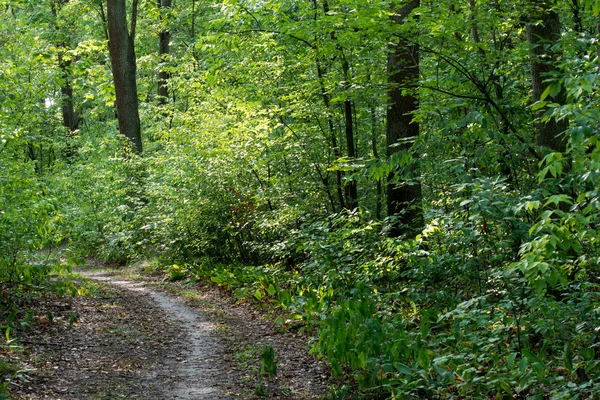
<point>197,371</point>
<point>135,336</point>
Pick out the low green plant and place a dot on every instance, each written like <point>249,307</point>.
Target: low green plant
<point>268,366</point>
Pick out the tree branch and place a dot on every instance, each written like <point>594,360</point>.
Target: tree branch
<point>134,13</point>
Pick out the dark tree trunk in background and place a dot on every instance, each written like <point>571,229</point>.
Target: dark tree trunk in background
<point>350,190</point>
<point>164,37</point>
<point>403,197</point>
<point>327,102</point>
<point>350,187</point>
<point>332,134</point>
<point>122,55</point>
<point>542,33</point>
<point>376,157</point>
<point>70,116</point>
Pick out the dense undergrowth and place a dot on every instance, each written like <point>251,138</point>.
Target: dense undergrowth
<point>402,321</point>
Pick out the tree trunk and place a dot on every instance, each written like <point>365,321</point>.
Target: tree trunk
<point>542,34</point>
<point>164,37</point>
<point>122,55</point>
<point>351,198</point>
<point>350,187</point>
<point>330,125</point>
<point>70,116</point>
<point>376,157</point>
<point>404,199</point>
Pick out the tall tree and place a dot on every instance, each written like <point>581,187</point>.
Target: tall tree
<point>122,55</point>
<point>70,116</point>
<point>325,95</point>
<point>543,33</point>
<point>403,199</point>
<point>164,37</point>
<point>350,188</point>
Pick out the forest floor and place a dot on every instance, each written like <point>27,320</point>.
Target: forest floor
<point>137,337</point>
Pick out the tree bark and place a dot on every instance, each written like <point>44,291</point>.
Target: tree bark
<point>164,37</point>
<point>70,116</point>
<point>403,200</point>
<point>350,187</point>
<point>543,33</point>
<point>122,55</point>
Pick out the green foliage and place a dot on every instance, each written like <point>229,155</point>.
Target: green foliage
<point>242,181</point>
<point>268,366</point>
<point>6,371</point>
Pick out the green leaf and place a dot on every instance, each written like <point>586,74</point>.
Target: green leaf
<point>539,285</point>
<point>423,358</point>
<point>271,290</point>
<point>523,365</point>
<point>538,368</point>
<point>569,357</point>
<point>532,357</point>
<point>538,105</point>
<point>552,90</point>
<point>558,198</point>
<point>596,8</point>
<point>424,327</point>
<point>405,369</point>
<point>552,277</point>
<point>258,295</point>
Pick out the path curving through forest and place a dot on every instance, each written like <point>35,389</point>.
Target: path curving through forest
<point>146,338</point>
<point>196,372</point>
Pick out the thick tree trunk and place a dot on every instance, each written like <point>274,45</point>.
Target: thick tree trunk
<point>542,34</point>
<point>122,55</point>
<point>404,199</point>
<point>164,37</point>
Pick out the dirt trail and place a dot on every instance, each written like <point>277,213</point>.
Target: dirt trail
<point>198,371</point>
<point>132,340</point>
